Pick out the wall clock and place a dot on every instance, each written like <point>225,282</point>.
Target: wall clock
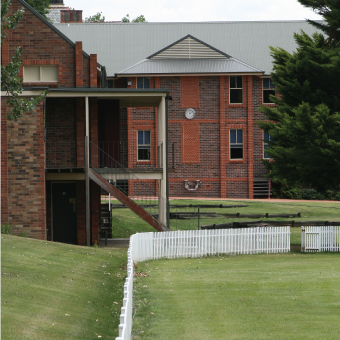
<point>190,113</point>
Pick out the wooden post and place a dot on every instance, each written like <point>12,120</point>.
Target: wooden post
<point>87,176</point>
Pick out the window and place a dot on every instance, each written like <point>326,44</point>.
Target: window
<point>266,138</point>
<point>38,74</point>
<point>143,82</point>
<point>143,145</point>
<point>236,144</point>
<point>268,89</point>
<point>236,93</point>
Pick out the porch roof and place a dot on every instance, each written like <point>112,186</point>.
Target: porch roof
<point>126,97</point>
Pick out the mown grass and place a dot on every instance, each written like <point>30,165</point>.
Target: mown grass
<point>126,223</point>
<point>58,291</point>
<point>275,296</point>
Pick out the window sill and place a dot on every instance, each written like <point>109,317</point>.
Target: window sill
<point>236,161</point>
<point>237,105</point>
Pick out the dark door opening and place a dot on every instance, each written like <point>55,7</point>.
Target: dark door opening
<point>64,212</point>
<point>108,133</point>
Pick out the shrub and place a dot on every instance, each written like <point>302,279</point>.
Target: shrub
<point>5,228</point>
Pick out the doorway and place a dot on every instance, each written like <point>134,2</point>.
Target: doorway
<point>64,212</point>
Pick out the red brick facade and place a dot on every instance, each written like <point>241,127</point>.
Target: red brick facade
<point>202,145</point>
<point>26,197</point>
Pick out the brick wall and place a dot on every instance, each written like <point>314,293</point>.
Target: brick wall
<point>42,46</point>
<point>26,174</point>
<point>209,150</point>
<point>4,177</point>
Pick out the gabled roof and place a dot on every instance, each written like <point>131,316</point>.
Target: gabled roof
<point>189,56</point>
<point>189,47</point>
<point>119,45</point>
<point>51,26</point>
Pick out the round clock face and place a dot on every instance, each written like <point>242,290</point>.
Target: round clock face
<point>190,113</point>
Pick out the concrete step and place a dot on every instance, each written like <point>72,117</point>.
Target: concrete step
<point>115,242</point>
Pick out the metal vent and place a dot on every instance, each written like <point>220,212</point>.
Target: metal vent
<point>189,49</point>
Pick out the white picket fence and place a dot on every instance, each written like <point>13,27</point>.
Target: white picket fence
<point>195,243</point>
<point>323,238</point>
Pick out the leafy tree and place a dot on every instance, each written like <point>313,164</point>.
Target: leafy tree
<point>95,18</point>
<point>41,6</point>
<point>141,18</point>
<point>10,82</point>
<point>305,123</point>
<point>330,11</point>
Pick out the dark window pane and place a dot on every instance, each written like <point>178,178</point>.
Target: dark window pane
<point>266,95</point>
<point>236,153</point>
<point>239,136</point>
<point>232,136</point>
<point>239,82</point>
<point>272,85</point>
<point>265,136</point>
<point>110,84</point>
<point>232,82</point>
<point>140,137</point>
<point>146,137</point>
<point>146,82</point>
<point>140,82</point>
<point>143,154</point>
<point>266,83</point>
<point>265,154</point>
<point>236,96</point>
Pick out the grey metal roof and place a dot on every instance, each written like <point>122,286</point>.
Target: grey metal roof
<point>187,66</point>
<point>120,45</point>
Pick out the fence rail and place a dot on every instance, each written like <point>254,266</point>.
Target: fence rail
<point>194,243</point>
<point>322,238</point>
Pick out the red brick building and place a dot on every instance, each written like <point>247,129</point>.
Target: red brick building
<point>46,188</point>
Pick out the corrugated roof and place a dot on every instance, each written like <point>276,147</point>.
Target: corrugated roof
<point>187,66</point>
<point>120,45</point>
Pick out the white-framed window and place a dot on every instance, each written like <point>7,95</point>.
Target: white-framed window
<point>236,143</point>
<point>143,82</point>
<point>235,90</point>
<point>266,138</point>
<point>41,74</point>
<point>144,145</point>
<point>267,88</point>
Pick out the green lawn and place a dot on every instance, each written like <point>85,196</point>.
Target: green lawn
<point>58,291</point>
<point>285,296</point>
<point>125,223</point>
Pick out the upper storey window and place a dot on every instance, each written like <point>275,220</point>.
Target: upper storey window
<point>268,89</point>
<point>236,90</point>
<point>143,82</point>
<point>41,74</point>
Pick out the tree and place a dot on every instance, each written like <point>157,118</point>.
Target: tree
<point>330,11</point>
<point>95,18</point>
<point>126,19</point>
<point>41,6</point>
<point>305,124</point>
<point>10,82</point>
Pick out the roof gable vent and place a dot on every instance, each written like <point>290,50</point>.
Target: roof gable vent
<point>189,48</point>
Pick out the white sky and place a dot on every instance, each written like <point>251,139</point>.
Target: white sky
<point>198,10</point>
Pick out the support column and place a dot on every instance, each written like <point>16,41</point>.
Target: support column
<point>222,137</point>
<point>162,192</point>
<point>250,143</point>
<point>87,166</point>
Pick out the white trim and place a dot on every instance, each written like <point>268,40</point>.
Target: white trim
<point>236,88</point>
<point>233,159</point>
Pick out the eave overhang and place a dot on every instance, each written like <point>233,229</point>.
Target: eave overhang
<point>126,97</point>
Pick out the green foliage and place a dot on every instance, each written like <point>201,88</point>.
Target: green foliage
<point>41,6</point>
<point>330,11</point>
<point>127,19</point>
<point>10,82</point>
<point>95,18</point>
<point>24,234</point>
<point>6,228</point>
<point>305,124</point>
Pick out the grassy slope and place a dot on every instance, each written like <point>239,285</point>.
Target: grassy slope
<point>286,296</point>
<point>49,280</point>
<point>126,223</point>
